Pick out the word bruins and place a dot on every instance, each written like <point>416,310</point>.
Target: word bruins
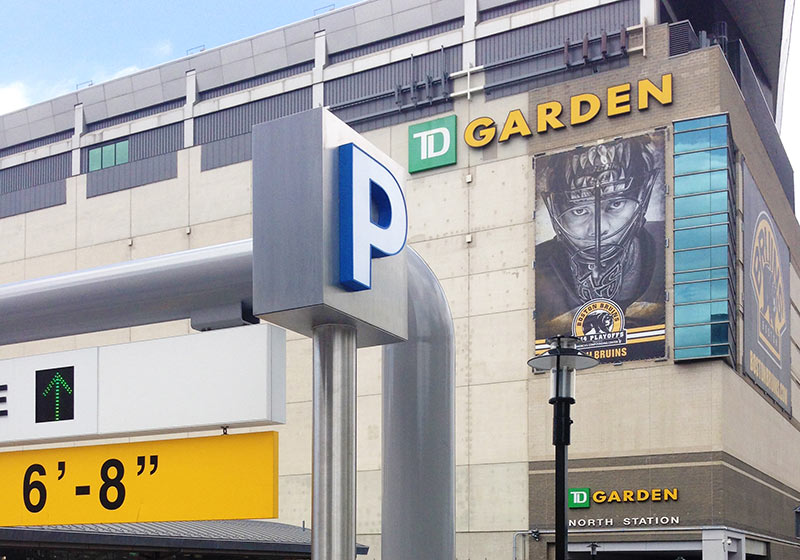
<point>583,108</point>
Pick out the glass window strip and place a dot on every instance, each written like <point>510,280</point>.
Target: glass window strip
<point>110,154</point>
<point>686,222</point>
<point>704,352</point>
<point>716,246</point>
<point>700,140</point>
<point>702,122</point>
<point>729,344</point>
<point>705,216</point>
<point>702,193</point>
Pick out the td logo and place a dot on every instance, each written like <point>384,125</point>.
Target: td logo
<point>432,144</point>
<point>578,498</point>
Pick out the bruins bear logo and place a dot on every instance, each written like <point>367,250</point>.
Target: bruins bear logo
<point>599,323</point>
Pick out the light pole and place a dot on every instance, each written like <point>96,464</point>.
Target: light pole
<point>563,360</point>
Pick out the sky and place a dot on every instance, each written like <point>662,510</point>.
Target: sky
<point>48,47</point>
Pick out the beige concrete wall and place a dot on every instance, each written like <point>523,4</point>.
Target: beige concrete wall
<point>473,223</point>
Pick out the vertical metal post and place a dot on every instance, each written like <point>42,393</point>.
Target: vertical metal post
<point>561,484</point>
<point>334,460</point>
<point>561,432</point>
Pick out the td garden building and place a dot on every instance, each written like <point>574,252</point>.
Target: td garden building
<point>609,169</point>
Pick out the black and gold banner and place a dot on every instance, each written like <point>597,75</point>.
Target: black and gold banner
<point>600,248</point>
<point>766,298</point>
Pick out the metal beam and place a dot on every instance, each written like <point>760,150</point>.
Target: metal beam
<point>144,291</point>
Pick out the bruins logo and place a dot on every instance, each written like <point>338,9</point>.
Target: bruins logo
<point>599,322</point>
<point>770,292</point>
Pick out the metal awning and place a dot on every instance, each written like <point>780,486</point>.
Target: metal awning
<point>253,538</point>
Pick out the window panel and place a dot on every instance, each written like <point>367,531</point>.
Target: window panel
<point>701,139</point>
<point>95,159</point>
<point>703,220</point>
<point>122,152</point>
<point>108,155</point>
<point>701,335</point>
<point>701,258</point>
<point>702,352</point>
<point>701,237</point>
<point>701,291</point>
<point>701,204</point>
<point>714,311</point>
<point>702,122</point>
<point>701,275</point>
<point>701,161</point>
<point>701,182</point>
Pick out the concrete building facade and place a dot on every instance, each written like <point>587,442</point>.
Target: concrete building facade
<point>691,450</point>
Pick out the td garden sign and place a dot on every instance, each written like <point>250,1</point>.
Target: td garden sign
<point>584,498</point>
<point>600,252</point>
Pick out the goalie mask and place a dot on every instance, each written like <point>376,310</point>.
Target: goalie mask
<point>597,198</point>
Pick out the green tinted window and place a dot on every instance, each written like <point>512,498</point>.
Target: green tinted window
<point>701,204</point>
<point>711,312</point>
<point>702,122</point>
<point>709,274</point>
<point>95,159</point>
<point>701,237</point>
<point>108,156</point>
<point>122,152</point>
<point>701,258</point>
<point>701,139</point>
<point>701,291</point>
<point>702,335</point>
<point>702,221</point>
<point>701,161</point>
<point>701,182</point>
<point>702,352</point>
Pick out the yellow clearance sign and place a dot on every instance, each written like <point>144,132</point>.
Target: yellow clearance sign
<point>220,477</point>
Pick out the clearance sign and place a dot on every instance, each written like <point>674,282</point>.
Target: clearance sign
<point>432,144</point>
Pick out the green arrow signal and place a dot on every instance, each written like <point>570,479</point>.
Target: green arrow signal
<point>56,384</point>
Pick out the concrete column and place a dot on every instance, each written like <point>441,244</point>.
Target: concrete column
<point>320,62</point>
<point>188,108</point>
<point>470,21</point>
<point>79,125</point>
<point>719,544</point>
<point>649,10</point>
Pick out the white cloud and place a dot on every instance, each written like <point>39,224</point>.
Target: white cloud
<point>124,72</point>
<point>162,49</point>
<point>13,96</point>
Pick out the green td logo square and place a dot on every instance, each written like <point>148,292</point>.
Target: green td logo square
<point>578,498</point>
<point>432,144</point>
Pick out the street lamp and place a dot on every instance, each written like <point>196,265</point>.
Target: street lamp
<point>562,359</point>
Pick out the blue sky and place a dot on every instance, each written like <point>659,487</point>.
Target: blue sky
<point>50,46</point>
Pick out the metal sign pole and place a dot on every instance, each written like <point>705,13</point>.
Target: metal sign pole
<point>334,461</point>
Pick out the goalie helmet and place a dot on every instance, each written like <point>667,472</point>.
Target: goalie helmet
<point>597,198</point>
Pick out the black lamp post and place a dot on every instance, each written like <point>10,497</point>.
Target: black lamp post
<point>563,360</point>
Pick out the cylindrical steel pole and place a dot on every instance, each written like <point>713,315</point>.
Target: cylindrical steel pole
<point>418,514</point>
<point>561,422</point>
<point>333,534</point>
<point>561,432</point>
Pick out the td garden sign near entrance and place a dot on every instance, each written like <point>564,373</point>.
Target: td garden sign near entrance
<point>585,498</point>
